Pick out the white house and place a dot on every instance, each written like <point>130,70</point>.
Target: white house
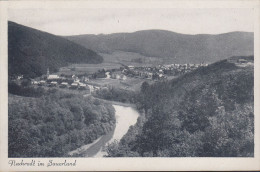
<point>124,77</point>
<point>81,85</point>
<point>53,77</point>
<point>108,76</point>
<point>54,83</point>
<point>42,82</point>
<point>35,82</point>
<point>64,84</point>
<point>242,61</point>
<point>118,76</point>
<point>20,77</point>
<point>131,67</point>
<point>75,84</point>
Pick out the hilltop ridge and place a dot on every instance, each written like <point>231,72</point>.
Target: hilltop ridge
<point>181,48</point>
<point>31,52</point>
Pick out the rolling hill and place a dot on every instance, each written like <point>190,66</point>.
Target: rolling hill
<point>206,113</point>
<point>166,44</point>
<point>31,52</point>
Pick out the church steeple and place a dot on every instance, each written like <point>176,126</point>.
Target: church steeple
<point>48,72</point>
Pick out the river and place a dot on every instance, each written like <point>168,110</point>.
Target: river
<point>125,117</point>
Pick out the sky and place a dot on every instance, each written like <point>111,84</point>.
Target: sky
<point>106,21</point>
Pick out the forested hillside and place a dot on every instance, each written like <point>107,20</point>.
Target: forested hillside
<point>55,123</point>
<point>205,113</point>
<point>181,48</point>
<point>31,52</point>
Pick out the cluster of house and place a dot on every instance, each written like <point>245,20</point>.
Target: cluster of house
<point>118,75</point>
<point>155,73</point>
<point>62,82</point>
<point>160,71</point>
<point>72,82</point>
<point>145,72</point>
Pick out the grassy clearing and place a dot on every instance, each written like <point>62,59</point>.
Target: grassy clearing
<point>130,58</point>
<point>112,61</point>
<point>131,84</point>
<point>87,68</point>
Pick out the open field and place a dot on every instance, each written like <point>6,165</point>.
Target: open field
<point>112,61</point>
<point>88,68</point>
<point>132,84</point>
<point>131,58</point>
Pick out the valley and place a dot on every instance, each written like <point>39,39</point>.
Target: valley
<point>150,93</point>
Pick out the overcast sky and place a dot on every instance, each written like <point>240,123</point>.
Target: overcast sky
<point>97,21</point>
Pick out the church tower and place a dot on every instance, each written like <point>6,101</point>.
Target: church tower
<point>48,72</point>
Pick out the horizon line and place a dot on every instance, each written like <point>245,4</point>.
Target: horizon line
<point>100,34</point>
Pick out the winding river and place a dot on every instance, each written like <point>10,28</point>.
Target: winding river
<point>125,117</point>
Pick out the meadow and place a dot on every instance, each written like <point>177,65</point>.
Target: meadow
<point>114,60</point>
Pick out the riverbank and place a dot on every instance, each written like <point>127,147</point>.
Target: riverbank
<point>113,102</point>
<point>126,116</point>
<point>92,149</point>
<point>120,103</point>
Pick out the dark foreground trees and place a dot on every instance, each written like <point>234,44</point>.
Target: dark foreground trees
<point>54,124</point>
<point>206,113</point>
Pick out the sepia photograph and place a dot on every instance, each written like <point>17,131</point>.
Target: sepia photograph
<point>129,82</point>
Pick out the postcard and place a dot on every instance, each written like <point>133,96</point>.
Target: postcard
<point>129,85</point>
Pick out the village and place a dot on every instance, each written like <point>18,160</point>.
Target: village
<point>124,77</point>
<point>160,72</point>
<point>88,82</point>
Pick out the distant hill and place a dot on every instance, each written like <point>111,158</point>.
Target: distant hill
<point>182,48</point>
<point>31,52</point>
<point>206,113</point>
